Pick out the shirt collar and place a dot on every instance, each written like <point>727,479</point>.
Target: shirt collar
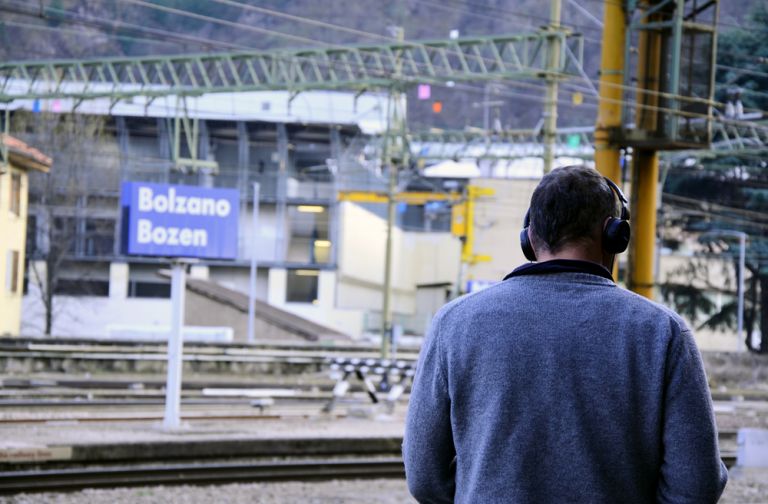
<point>561,266</point>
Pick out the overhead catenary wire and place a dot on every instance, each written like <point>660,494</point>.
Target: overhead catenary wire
<point>223,22</point>
<point>465,7</point>
<point>196,16</point>
<point>294,17</point>
<point>209,41</point>
<point>58,29</point>
<point>230,23</point>
<point>320,23</point>
<point>687,114</point>
<point>630,88</point>
<point>515,13</point>
<point>241,25</point>
<point>589,39</point>
<point>90,20</point>
<point>473,6</point>
<point>657,108</point>
<point>735,221</point>
<point>305,20</point>
<point>330,25</point>
<point>744,71</point>
<point>315,22</point>
<point>751,214</point>
<point>454,8</point>
<point>277,32</point>
<point>720,23</point>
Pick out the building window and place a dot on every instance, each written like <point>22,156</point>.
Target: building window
<point>64,236</point>
<point>82,287</point>
<point>12,268</point>
<point>301,286</point>
<point>32,235</point>
<point>99,237</point>
<point>309,240</point>
<point>149,289</point>
<point>16,194</point>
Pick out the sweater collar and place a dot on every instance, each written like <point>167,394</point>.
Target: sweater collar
<point>561,266</point>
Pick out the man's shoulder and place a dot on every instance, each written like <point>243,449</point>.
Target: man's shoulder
<point>641,307</point>
<point>470,302</point>
<point>516,294</point>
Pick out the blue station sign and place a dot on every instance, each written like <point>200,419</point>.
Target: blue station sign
<point>179,221</point>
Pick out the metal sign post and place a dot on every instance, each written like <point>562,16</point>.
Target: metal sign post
<point>171,420</point>
<point>186,223</point>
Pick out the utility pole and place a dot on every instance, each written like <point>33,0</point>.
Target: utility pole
<point>395,126</point>
<point>386,309</point>
<point>550,102</point>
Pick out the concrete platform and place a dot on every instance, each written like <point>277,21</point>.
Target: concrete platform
<point>66,442</point>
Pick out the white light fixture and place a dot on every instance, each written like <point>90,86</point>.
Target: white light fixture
<point>322,243</point>
<point>311,208</point>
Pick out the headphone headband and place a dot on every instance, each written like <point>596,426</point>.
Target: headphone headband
<point>622,198</point>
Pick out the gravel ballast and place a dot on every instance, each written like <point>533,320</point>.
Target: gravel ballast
<point>744,487</point>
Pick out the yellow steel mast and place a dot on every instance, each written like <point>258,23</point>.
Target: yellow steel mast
<point>607,154</point>
<point>645,169</point>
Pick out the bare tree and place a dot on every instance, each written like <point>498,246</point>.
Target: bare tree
<point>58,199</point>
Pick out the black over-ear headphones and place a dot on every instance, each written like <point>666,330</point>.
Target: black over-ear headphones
<point>615,233</point>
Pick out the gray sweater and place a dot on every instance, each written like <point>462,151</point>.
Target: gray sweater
<point>554,388</point>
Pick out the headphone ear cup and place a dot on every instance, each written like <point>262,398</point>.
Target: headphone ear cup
<point>525,244</point>
<point>616,236</point>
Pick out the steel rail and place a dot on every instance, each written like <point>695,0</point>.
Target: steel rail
<point>159,417</point>
<point>270,349</point>
<point>210,473</point>
<point>199,473</point>
<point>190,356</point>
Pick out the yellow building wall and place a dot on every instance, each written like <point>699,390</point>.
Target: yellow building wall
<point>13,232</point>
<point>418,258</point>
<point>498,221</point>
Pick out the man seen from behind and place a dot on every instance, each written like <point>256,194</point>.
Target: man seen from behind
<point>556,385</point>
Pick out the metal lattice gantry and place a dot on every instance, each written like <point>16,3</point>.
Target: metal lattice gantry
<point>354,67</point>
<point>739,135</point>
<point>729,136</point>
<point>573,142</point>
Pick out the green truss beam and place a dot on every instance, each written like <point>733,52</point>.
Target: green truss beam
<point>508,144</point>
<point>729,137</point>
<point>739,135</point>
<point>357,67</point>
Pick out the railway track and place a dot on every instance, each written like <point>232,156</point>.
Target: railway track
<point>200,473</point>
<point>206,461</point>
<point>157,416</point>
<point>26,357</point>
<point>109,350</point>
<point>54,396</point>
<point>56,480</point>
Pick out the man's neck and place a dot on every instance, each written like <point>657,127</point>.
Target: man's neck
<point>575,252</point>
